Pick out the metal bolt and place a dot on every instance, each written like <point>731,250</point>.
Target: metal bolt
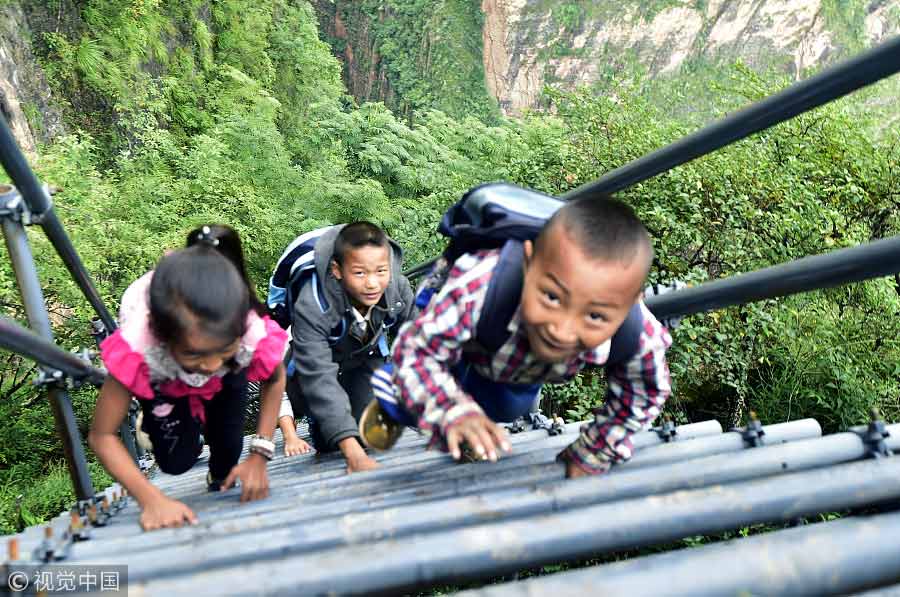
<point>104,505</point>
<point>48,532</point>
<point>92,514</point>
<point>75,524</point>
<point>12,549</point>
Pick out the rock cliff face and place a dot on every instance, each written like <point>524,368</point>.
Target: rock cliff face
<point>528,43</point>
<point>353,41</point>
<point>24,94</point>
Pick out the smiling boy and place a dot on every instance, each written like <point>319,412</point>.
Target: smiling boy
<point>582,276</point>
<point>339,327</point>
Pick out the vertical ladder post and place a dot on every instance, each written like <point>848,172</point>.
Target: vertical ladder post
<point>13,214</point>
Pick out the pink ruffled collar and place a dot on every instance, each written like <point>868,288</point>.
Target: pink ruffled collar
<point>145,366</point>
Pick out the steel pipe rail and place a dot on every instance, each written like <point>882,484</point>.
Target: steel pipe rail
<point>16,240</point>
<point>440,480</point>
<point>830,558</point>
<point>731,441</point>
<point>329,475</point>
<point>832,83</point>
<point>290,532</point>
<point>38,201</point>
<point>17,339</point>
<point>863,262</point>
<point>392,565</point>
<point>60,240</point>
<point>891,591</point>
<point>311,505</point>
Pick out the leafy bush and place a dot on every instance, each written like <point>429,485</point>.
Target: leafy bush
<point>812,185</point>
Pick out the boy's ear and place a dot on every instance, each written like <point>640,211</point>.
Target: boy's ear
<point>335,269</point>
<point>528,246</point>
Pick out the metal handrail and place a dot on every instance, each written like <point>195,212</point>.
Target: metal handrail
<point>22,341</point>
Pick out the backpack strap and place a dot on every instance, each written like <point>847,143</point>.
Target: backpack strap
<point>293,269</point>
<point>318,291</point>
<point>627,340</point>
<point>502,299</point>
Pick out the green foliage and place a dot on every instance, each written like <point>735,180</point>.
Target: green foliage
<point>847,18</point>
<point>432,52</point>
<point>32,496</point>
<point>571,15</point>
<point>809,186</point>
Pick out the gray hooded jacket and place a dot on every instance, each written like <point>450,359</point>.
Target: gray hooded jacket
<point>318,362</point>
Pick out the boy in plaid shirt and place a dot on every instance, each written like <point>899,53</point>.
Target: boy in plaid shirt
<point>582,275</point>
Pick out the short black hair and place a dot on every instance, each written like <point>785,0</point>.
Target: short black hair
<point>356,235</point>
<point>604,228</point>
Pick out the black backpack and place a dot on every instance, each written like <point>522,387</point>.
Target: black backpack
<point>501,215</point>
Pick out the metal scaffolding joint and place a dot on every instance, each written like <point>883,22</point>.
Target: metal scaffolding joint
<point>667,431</point>
<point>753,434</point>
<point>539,421</point>
<point>48,376</point>
<point>874,436</point>
<point>14,206</point>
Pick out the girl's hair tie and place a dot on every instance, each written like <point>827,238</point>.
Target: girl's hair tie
<point>207,238</point>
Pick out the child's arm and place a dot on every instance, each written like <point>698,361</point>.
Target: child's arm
<point>430,345</point>
<point>252,472</point>
<point>638,389</point>
<point>158,511</point>
<point>293,445</point>
<point>327,401</point>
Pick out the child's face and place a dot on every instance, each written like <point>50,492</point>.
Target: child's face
<point>197,352</point>
<point>364,274</point>
<point>572,303</point>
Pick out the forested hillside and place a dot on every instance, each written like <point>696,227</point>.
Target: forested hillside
<point>448,54</point>
<point>174,113</point>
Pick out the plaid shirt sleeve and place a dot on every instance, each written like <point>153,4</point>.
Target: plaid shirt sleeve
<point>430,345</point>
<point>637,391</point>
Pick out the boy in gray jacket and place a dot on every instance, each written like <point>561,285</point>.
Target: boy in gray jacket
<point>339,327</point>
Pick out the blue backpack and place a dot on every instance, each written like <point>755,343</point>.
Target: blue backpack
<point>501,215</point>
<point>296,266</point>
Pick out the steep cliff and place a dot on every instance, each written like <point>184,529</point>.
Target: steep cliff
<point>414,54</point>
<point>351,31</point>
<point>25,98</point>
<point>529,43</point>
<point>411,54</point>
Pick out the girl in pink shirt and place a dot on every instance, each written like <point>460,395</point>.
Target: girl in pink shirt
<point>192,335</point>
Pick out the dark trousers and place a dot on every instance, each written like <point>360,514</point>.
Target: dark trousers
<point>501,402</point>
<point>358,385</point>
<point>175,434</point>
